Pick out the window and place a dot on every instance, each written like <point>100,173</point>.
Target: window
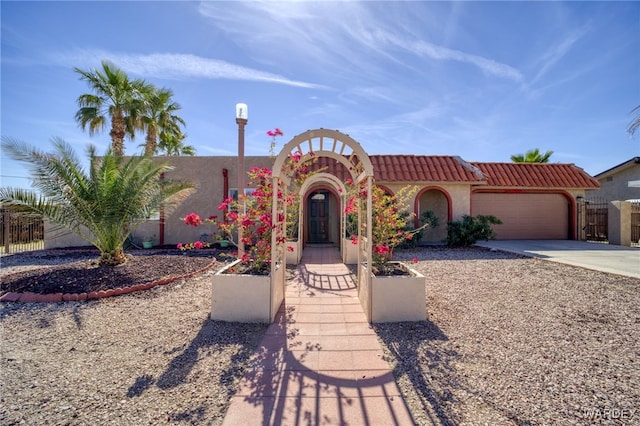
<point>233,192</point>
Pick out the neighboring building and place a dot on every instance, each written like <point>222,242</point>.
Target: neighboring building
<point>534,201</point>
<point>615,182</point>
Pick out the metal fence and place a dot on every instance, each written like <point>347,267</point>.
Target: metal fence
<point>19,232</point>
<point>635,224</point>
<point>593,220</point>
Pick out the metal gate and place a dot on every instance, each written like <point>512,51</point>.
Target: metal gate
<point>635,223</point>
<point>19,232</point>
<point>593,220</point>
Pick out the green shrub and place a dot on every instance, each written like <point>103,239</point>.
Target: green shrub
<point>466,232</point>
<point>428,220</point>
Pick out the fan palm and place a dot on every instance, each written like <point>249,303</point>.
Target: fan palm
<point>102,205</point>
<point>532,156</point>
<point>635,123</point>
<point>159,116</point>
<point>173,144</point>
<point>115,97</point>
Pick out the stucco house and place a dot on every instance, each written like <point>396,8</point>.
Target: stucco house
<point>620,182</point>
<point>534,201</point>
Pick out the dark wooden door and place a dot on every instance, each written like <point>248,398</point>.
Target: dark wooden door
<point>318,208</point>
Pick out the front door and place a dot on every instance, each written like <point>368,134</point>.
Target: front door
<point>318,208</point>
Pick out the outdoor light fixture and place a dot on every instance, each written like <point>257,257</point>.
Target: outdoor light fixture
<point>242,116</point>
<point>242,111</point>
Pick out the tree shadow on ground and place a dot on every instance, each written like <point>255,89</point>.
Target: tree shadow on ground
<point>420,356</point>
<point>213,337</point>
<point>45,315</point>
<point>288,387</point>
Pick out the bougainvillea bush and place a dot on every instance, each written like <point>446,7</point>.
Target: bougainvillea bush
<point>253,214</point>
<point>390,222</point>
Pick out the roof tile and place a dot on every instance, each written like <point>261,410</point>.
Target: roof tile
<point>536,175</point>
<point>453,169</point>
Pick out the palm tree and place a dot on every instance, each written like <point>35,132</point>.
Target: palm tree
<point>159,116</point>
<point>102,206</point>
<point>635,123</point>
<point>114,97</point>
<point>173,144</point>
<point>532,156</point>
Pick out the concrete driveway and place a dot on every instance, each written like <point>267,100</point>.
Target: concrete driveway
<point>601,257</point>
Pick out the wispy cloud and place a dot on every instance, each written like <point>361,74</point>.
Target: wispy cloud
<point>556,52</point>
<point>441,53</point>
<point>175,66</point>
<point>333,37</point>
<point>360,36</point>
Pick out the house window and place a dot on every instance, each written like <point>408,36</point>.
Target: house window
<point>233,193</point>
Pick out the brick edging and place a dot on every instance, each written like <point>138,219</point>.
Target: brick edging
<point>30,297</point>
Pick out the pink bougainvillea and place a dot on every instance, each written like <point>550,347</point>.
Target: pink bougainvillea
<point>192,219</point>
<point>389,221</point>
<point>253,213</point>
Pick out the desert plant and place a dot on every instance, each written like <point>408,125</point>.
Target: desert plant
<point>115,98</point>
<point>466,232</point>
<point>253,213</point>
<point>428,220</point>
<point>532,156</point>
<point>103,205</point>
<point>390,223</point>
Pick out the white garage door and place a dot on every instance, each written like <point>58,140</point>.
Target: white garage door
<point>525,216</point>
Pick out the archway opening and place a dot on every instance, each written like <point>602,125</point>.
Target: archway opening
<point>322,218</point>
<point>437,201</point>
<point>348,152</point>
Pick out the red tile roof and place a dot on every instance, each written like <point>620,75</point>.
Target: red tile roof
<point>411,168</point>
<point>453,169</point>
<point>536,175</point>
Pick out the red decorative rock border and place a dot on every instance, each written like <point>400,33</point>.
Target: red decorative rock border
<point>29,297</point>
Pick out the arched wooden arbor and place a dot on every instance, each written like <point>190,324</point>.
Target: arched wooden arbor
<point>347,151</point>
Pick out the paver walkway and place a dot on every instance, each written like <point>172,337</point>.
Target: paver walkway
<point>319,363</point>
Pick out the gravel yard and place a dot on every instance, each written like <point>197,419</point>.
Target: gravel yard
<point>519,341</point>
<point>509,340</point>
<point>146,358</point>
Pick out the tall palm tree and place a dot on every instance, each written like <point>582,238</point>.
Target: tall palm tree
<point>173,144</point>
<point>159,116</point>
<point>532,156</point>
<point>635,123</point>
<point>115,97</point>
<point>102,206</point>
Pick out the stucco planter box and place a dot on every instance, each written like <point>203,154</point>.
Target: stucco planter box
<point>293,257</point>
<point>349,252</point>
<point>240,297</point>
<point>398,298</point>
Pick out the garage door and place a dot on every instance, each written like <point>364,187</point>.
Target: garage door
<point>525,216</point>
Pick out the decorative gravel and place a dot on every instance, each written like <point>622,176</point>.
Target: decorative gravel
<point>520,341</point>
<point>509,340</point>
<point>147,358</point>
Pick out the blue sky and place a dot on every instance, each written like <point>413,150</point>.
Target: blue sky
<point>482,80</point>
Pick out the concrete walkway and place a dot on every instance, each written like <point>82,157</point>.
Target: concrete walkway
<point>600,257</point>
<point>320,363</point>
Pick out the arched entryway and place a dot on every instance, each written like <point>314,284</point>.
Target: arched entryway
<point>438,201</point>
<point>321,222</point>
<point>348,152</point>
